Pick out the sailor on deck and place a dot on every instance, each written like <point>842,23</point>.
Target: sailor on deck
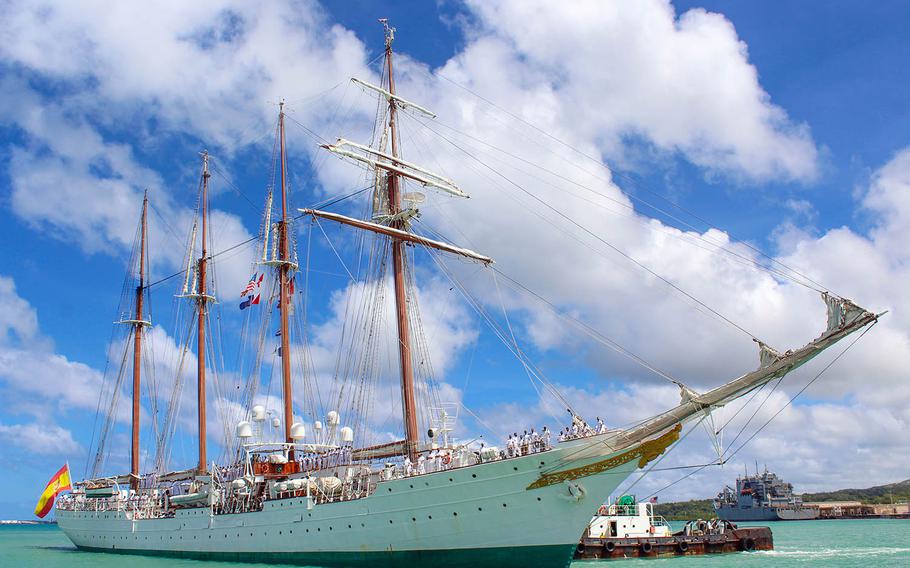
<point>421,464</point>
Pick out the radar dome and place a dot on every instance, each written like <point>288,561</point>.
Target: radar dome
<point>258,412</point>
<point>276,422</point>
<point>332,418</point>
<point>244,430</point>
<point>298,431</point>
<point>347,435</point>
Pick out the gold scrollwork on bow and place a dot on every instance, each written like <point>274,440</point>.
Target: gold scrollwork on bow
<point>646,452</point>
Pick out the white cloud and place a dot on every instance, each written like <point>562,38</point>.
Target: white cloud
<point>683,82</point>
<point>39,439</point>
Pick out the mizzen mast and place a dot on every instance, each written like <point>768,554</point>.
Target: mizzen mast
<point>202,300</point>
<point>138,323</point>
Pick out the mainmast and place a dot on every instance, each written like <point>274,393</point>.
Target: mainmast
<point>399,260</point>
<point>284,268</point>
<point>138,324</point>
<point>202,301</point>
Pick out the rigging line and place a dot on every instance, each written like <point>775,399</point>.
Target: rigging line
<point>632,180</point>
<point>665,454</point>
<point>754,413</point>
<point>333,201</point>
<point>166,224</point>
<point>599,238</point>
<point>740,409</point>
<point>320,205</point>
<point>307,130</point>
<point>683,478</point>
<point>717,247</point>
<point>589,330</point>
<point>594,333</point>
<point>338,256</point>
<point>806,386</point>
<point>217,169</point>
<point>497,330</point>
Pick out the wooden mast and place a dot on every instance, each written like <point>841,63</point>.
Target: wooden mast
<point>284,268</point>
<point>137,347</point>
<point>202,300</point>
<point>399,258</point>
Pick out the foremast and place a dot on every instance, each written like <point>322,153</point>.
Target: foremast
<point>394,223</point>
<point>399,260</point>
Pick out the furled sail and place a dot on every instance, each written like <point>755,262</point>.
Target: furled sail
<point>844,317</point>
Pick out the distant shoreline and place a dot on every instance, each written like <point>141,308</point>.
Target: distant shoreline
<point>11,522</point>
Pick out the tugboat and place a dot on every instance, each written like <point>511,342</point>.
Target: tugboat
<point>762,497</point>
<point>627,529</point>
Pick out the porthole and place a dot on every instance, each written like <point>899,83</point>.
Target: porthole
<point>474,475</point>
<point>454,513</point>
<point>503,504</point>
<point>480,508</point>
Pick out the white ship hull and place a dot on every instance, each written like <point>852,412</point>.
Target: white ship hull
<point>483,514</point>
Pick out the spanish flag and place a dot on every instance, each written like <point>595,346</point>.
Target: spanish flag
<point>58,484</point>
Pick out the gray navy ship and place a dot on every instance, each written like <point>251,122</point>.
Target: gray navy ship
<point>762,497</point>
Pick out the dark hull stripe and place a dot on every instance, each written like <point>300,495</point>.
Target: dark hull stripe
<point>509,557</point>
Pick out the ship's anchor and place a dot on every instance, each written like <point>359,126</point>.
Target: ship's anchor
<point>576,491</point>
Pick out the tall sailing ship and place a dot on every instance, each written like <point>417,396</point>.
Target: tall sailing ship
<point>325,497</point>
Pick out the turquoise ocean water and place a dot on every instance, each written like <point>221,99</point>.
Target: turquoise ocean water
<point>876,543</point>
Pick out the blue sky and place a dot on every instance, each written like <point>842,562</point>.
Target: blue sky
<point>784,125</point>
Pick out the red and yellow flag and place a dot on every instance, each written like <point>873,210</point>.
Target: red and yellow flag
<point>59,483</point>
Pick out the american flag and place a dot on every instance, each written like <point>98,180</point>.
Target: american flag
<point>251,285</point>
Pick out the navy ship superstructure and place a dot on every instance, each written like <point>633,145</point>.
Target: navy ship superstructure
<point>762,497</point>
